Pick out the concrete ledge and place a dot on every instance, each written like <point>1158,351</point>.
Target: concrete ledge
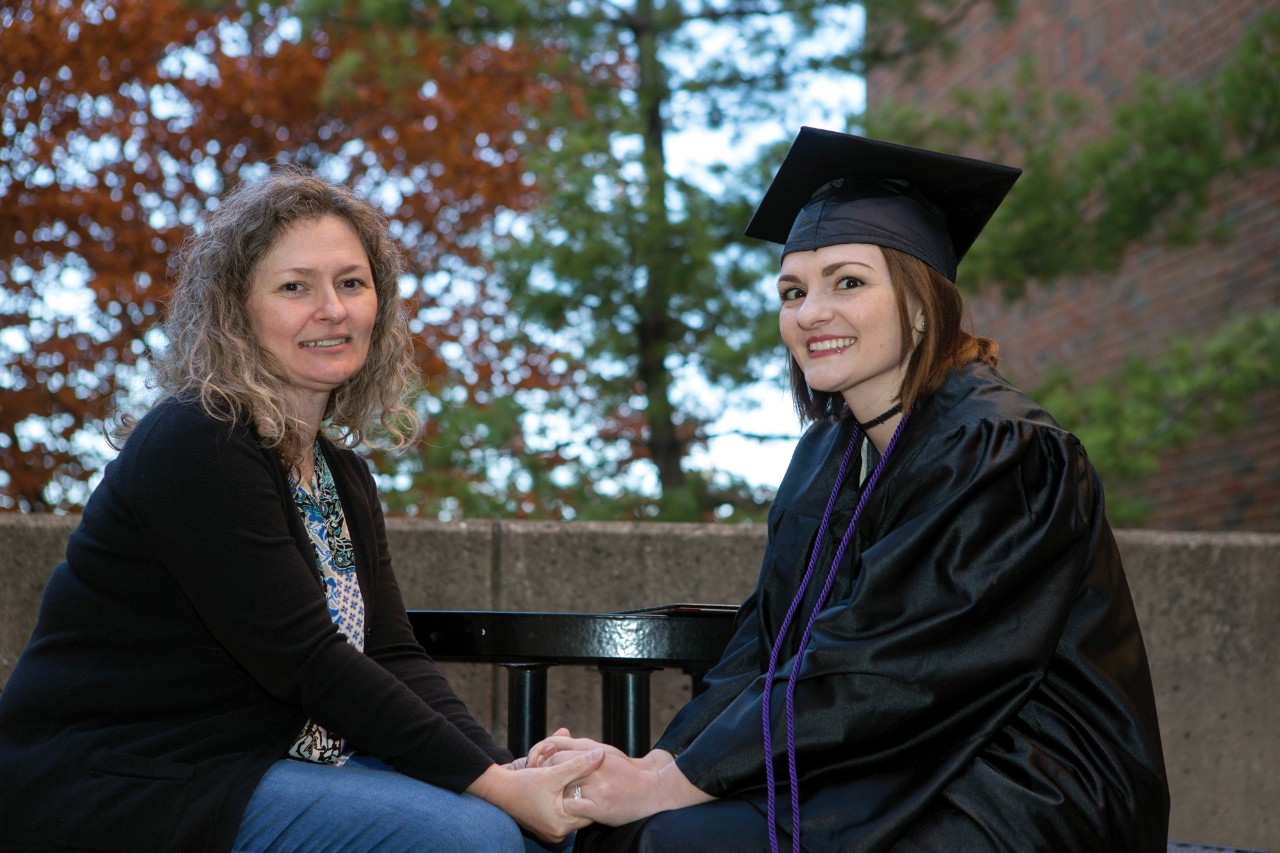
<point>1208,604</point>
<point>30,546</point>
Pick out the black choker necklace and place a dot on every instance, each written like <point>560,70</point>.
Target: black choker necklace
<point>876,421</point>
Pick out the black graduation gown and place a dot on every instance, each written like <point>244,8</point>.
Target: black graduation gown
<point>976,679</point>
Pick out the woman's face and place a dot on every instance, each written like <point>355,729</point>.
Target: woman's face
<point>312,305</point>
<point>839,319</point>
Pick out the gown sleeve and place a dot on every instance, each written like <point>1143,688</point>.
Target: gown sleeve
<point>208,501</point>
<point>738,666</point>
<point>966,564</point>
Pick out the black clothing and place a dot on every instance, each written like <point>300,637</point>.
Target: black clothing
<point>976,680</point>
<point>185,641</point>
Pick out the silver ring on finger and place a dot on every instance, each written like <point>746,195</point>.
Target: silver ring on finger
<point>577,792</point>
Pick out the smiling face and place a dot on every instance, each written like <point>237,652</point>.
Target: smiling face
<point>839,319</point>
<point>312,306</point>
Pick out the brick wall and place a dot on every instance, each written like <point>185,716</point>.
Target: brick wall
<point>1097,50</point>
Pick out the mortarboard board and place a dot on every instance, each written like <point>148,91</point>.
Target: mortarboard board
<point>835,188</point>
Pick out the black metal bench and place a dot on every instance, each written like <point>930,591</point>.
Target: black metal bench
<point>626,647</point>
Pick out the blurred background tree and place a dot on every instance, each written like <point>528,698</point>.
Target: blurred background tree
<point>122,121</point>
<point>585,312</point>
<point>638,276</point>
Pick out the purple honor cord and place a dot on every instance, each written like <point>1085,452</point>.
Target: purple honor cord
<point>804,638</point>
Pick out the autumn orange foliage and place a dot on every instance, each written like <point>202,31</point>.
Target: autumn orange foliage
<point>123,119</point>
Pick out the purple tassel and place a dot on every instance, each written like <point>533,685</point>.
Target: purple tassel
<point>804,639</point>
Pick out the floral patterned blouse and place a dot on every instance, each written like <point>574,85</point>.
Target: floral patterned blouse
<point>321,512</point>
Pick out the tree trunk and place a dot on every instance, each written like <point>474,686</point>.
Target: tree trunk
<point>656,328</point>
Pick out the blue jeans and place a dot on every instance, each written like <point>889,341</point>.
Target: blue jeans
<point>365,805</point>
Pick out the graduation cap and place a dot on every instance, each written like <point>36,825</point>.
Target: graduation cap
<point>835,188</point>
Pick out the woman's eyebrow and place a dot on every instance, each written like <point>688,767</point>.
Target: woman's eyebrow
<point>830,268</point>
<point>304,270</point>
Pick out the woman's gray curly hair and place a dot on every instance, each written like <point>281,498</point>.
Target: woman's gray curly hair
<point>213,355</point>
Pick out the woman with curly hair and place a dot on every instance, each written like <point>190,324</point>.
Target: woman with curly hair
<point>224,661</point>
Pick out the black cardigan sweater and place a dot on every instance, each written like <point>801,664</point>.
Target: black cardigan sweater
<point>185,641</point>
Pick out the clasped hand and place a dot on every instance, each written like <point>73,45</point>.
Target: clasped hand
<point>534,798</point>
<point>620,788</point>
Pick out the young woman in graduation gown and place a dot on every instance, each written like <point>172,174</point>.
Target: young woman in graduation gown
<point>941,653</point>
<point>224,660</point>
